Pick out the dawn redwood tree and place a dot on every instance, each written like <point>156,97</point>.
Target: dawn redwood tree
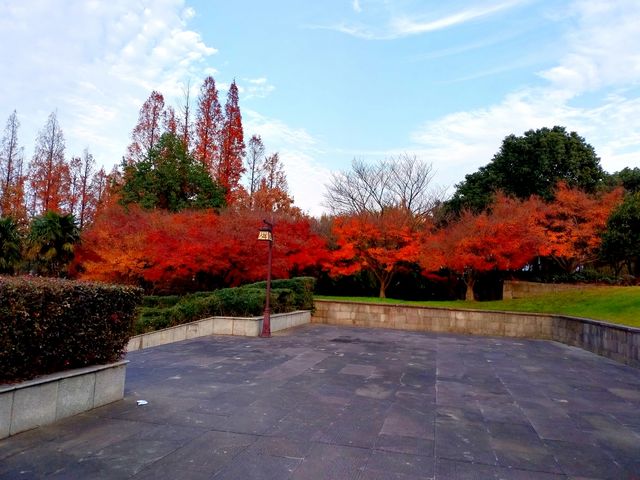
<point>504,238</point>
<point>230,168</point>
<point>12,201</point>
<point>170,122</point>
<point>86,187</point>
<point>382,244</point>
<point>147,131</point>
<point>573,225</point>
<point>185,128</point>
<point>49,180</point>
<point>273,193</point>
<point>254,163</point>
<point>208,127</point>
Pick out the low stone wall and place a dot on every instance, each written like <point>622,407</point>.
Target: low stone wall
<point>518,289</point>
<point>243,326</point>
<point>44,400</point>
<point>618,342</point>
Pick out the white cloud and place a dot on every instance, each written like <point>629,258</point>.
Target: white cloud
<point>356,6</point>
<point>604,47</point>
<point>603,41</point>
<point>298,150</point>
<point>257,88</point>
<point>404,24</point>
<point>95,62</point>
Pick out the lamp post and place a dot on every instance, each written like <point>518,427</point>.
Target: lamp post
<point>266,234</point>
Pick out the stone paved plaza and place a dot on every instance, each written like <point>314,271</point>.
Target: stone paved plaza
<point>322,402</point>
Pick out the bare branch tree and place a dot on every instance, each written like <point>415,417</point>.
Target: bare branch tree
<point>402,181</point>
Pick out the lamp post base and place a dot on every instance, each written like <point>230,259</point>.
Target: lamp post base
<point>266,325</point>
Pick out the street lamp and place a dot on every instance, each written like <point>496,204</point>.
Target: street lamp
<point>266,234</point>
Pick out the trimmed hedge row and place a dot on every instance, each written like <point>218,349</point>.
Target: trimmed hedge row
<point>48,325</point>
<point>246,301</point>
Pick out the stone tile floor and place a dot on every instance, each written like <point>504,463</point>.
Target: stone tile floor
<point>322,402</point>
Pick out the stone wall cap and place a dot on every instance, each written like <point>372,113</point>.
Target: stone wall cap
<point>53,377</point>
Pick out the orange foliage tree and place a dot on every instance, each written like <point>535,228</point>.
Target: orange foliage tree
<point>192,249</point>
<point>381,243</point>
<point>573,224</point>
<point>505,238</point>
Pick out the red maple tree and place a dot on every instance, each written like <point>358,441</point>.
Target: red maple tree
<point>506,237</point>
<point>573,223</point>
<point>192,249</point>
<point>380,243</point>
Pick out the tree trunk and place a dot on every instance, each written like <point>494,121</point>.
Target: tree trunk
<point>469,282</point>
<point>382,291</point>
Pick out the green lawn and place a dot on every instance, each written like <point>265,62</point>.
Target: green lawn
<point>613,304</point>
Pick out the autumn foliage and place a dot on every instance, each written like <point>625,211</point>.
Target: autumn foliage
<point>573,225</point>
<point>507,237</point>
<point>381,244</point>
<point>192,249</point>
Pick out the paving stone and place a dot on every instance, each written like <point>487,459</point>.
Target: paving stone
<point>331,402</point>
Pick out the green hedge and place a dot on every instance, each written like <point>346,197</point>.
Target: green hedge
<point>48,325</point>
<point>246,301</point>
<point>302,288</point>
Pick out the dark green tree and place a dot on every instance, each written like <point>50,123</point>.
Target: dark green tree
<point>169,178</point>
<point>51,243</point>
<point>629,178</point>
<point>531,164</point>
<point>621,240</point>
<point>10,245</point>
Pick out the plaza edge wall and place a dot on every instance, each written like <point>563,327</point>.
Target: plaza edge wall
<point>618,342</point>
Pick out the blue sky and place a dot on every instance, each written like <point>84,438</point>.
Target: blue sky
<point>324,82</point>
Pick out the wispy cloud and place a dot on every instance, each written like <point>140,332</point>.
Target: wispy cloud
<point>408,25</point>
<point>405,25</point>
<point>356,6</point>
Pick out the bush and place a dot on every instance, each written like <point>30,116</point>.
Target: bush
<point>245,301</point>
<point>48,325</point>
<point>302,288</point>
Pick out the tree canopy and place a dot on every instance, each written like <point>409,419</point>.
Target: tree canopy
<point>170,179</point>
<point>532,164</point>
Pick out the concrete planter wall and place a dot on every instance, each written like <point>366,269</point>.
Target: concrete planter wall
<point>618,342</point>
<point>44,400</point>
<point>243,326</point>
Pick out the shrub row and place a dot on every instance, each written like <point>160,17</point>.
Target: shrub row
<point>48,325</point>
<point>246,301</point>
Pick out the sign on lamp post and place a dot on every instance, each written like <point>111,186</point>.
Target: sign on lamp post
<point>266,234</point>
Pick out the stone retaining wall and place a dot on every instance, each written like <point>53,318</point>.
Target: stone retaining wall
<point>618,342</point>
<point>44,400</point>
<point>244,326</point>
<point>518,289</point>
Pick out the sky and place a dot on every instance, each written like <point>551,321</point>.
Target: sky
<point>326,82</point>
